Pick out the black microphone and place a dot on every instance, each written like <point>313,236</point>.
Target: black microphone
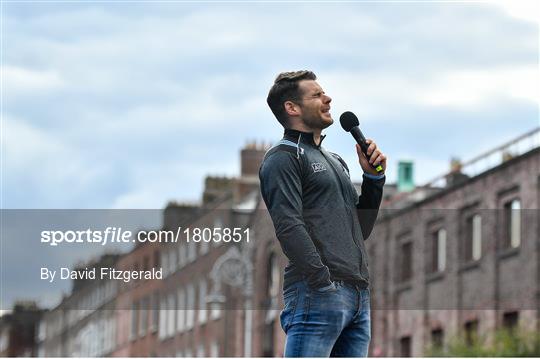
<point>350,123</point>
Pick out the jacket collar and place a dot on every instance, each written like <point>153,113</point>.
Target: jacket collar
<point>300,136</point>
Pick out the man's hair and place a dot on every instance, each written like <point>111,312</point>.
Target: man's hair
<point>286,88</point>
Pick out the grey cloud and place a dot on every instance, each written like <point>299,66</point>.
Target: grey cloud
<point>154,88</point>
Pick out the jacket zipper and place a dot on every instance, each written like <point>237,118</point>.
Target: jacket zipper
<point>348,210</point>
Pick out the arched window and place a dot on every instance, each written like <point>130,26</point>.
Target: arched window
<point>272,276</point>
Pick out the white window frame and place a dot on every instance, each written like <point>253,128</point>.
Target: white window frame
<point>441,249</point>
<point>181,313</point>
<point>214,349</point>
<point>143,318</point>
<point>171,315</point>
<point>190,303</point>
<point>191,251</point>
<point>515,223</point>
<point>162,319</point>
<point>203,313</point>
<point>134,323</point>
<point>476,237</point>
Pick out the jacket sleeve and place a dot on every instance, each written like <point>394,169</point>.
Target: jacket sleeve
<point>369,202</point>
<point>281,188</point>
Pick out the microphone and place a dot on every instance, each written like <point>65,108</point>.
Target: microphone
<point>350,123</point>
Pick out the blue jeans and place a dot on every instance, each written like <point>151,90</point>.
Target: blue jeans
<point>334,321</point>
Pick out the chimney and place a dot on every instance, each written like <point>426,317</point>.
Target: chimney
<point>179,214</point>
<point>405,176</point>
<point>216,187</point>
<point>251,158</point>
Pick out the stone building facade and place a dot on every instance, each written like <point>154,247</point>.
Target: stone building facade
<point>463,261</point>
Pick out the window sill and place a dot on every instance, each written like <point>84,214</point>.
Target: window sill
<point>470,265</point>
<point>403,287</point>
<point>508,252</point>
<point>435,276</point>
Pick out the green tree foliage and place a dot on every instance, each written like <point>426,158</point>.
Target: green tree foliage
<point>503,343</point>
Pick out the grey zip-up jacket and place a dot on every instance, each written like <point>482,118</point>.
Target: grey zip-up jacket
<point>320,220</point>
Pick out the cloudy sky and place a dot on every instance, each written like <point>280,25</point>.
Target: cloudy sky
<point>130,105</point>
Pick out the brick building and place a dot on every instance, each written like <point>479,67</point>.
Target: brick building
<point>84,323</point>
<point>463,260</point>
<point>136,309</point>
<point>460,254</point>
<point>18,330</point>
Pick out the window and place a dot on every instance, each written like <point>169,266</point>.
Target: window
<point>165,262</point>
<point>510,320</point>
<point>190,303</point>
<point>192,251</point>
<point>111,334</point>
<point>405,347</point>
<point>181,255</point>
<point>162,319</point>
<point>215,306</point>
<point>272,276</point>
<point>173,260</point>
<point>438,251</point>
<point>406,261</point>
<point>171,314</point>
<point>205,246</point>
<point>437,338</point>
<point>42,332</point>
<point>471,332</point>
<point>200,351</point>
<point>181,315</point>
<point>268,339</point>
<point>473,238</point>
<point>512,224</point>
<point>202,301</point>
<point>214,349</point>
<point>143,317</point>
<point>216,310</point>
<point>155,312</point>
<point>134,321</point>
<point>146,263</point>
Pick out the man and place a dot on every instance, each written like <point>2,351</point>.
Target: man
<point>321,223</point>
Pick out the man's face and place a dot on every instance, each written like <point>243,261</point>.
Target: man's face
<point>315,105</point>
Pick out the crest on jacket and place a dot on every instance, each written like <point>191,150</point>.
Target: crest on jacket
<point>318,167</point>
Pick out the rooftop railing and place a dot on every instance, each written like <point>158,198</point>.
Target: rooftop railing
<point>475,166</point>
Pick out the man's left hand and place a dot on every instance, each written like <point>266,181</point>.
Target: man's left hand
<point>376,157</point>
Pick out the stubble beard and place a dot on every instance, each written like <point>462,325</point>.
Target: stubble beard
<point>318,122</point>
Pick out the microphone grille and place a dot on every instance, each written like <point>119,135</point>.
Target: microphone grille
<point>348,120</point>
